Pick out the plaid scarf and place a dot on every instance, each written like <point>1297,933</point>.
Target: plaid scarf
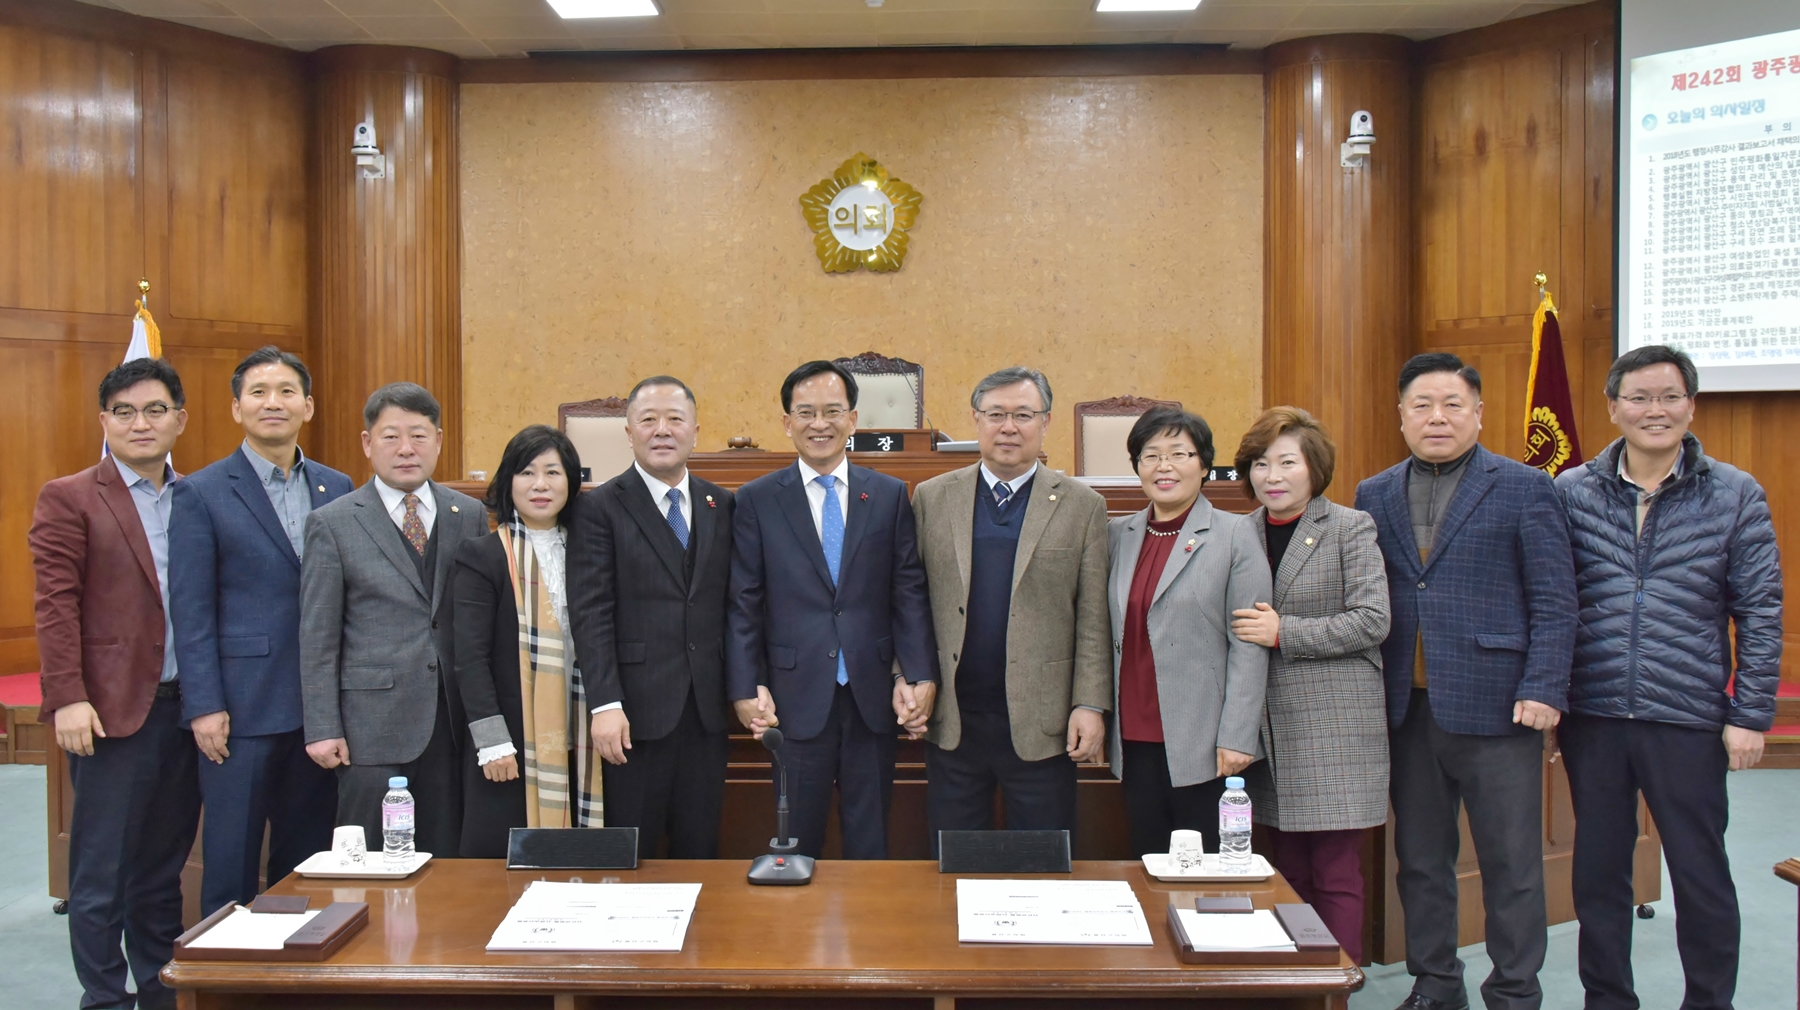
<point>550,687</point>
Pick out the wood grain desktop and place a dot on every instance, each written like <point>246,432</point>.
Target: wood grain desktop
<point>872,933</point>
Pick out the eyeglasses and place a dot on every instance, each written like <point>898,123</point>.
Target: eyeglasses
<point>1176,458</point>
<point>125,413</point>
<point>831,414</point>
<point>1639,402</point>
<point>1020,417</point>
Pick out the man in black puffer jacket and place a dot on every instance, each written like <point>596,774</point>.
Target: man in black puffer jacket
<point>1671,548</point>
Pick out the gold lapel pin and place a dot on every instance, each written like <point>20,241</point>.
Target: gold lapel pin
<point>1190,546</point>
<point>1309,541</point>
<point>321,489</point>
<point>453,508</point>
<point>1052,497</point>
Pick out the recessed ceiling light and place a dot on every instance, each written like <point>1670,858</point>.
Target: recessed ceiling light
<point>1115,6</point>
<point>571,9</point>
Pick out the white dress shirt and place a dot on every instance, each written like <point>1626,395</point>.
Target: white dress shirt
<point>394,501</point>
<point>815,492</point>
<point>659,493</point>
<point>1016,483</point>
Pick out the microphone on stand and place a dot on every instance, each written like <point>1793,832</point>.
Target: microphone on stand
<point>782,864</point>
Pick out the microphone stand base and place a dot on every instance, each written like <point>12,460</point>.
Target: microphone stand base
<point>778,869</point>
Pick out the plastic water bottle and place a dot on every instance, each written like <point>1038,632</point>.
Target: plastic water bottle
<point>1234,827</point>
<point>397,822</point>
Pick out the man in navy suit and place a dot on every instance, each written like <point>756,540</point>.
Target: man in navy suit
<point>236,533</point>
<point>1482,586</point>
<point>828,625</point>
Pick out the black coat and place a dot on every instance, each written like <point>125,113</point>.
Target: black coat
<point>648,617</point>
<point>487,674</point>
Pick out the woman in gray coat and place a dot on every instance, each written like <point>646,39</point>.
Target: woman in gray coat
<point>1190,696</point>
<point>1326,778</point>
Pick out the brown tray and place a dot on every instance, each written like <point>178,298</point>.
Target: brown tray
<point>317,940</point>
<point>1309,955</point>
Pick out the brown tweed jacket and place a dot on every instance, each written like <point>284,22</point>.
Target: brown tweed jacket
<point>1325,731</point>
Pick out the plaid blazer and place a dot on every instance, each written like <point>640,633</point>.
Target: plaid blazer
<point>1325,730</point>
<point>1495,601</point>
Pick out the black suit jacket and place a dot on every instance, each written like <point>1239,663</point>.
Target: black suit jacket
<point>646,629</point>
<point>788,621</point>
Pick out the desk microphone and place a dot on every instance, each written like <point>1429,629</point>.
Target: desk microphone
<point>782,865</point>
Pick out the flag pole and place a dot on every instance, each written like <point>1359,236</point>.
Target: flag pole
<point>144,290</point>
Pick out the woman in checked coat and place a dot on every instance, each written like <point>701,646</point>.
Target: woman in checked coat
<point>1325,782</point>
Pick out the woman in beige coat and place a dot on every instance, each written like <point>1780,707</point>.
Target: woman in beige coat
<point>1325,781</point>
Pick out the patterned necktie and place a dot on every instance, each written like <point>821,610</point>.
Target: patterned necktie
<point>831,538</point>
<point>676,522</point>
<point>413,527</point>
<point>1003,493</point>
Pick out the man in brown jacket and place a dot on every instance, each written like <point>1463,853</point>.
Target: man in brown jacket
<point>100,546</point>
<point>1016,560</point>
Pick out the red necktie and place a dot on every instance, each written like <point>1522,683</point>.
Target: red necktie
<point>413,527</point>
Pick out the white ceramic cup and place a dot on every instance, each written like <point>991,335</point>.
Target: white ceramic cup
<point>1186,848</point>
<point>349,844</point>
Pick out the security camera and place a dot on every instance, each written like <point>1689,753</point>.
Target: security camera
<point>368,156</point>
<point>1355,151</point>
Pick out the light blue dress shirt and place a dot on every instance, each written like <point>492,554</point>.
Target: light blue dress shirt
<point>153,511</point>
<point>287,492</point>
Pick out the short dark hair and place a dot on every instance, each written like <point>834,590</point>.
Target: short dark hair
<point>408,396</point>
<point>807,371</point>
<point>1165,420</point>
<point>1315,446</point>
<point>661,380</point>
<point>139,370</point>
<point>269,354</point>
<point>1644,357</point>
<point>530,443</point>
<point>1438,361</point>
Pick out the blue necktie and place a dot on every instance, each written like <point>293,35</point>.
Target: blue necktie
<point>1002,494</point>
<point>676,522</point>
<point>831,538</point>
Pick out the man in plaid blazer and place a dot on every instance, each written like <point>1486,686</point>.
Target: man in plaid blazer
<point>1481,583</point>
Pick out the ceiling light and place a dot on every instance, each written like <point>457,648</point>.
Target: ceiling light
<point>1115,6</point>
<point>570,9</point>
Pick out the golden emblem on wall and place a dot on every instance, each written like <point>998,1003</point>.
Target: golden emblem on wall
<point>860,217</point>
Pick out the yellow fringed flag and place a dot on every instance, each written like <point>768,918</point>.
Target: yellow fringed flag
<point>1551,443</point>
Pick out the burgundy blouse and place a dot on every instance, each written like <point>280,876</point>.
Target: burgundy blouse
<point>1140,715</point>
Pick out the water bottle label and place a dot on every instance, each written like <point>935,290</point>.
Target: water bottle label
<point>1234,820</point>
<point>397,818</point>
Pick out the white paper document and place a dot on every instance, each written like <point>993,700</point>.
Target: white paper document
<point>247,930</point>
<point>1087,912</point>
<point>552,915</point>
<point>1259,930</point>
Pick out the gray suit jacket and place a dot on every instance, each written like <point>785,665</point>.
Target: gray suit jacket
<point>1056,638</point>
<point>1326,732</point>
<point>375,642</point>
<point>1208,683</point>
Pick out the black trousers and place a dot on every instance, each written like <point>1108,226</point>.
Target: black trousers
<point>266,780</point>
<point>433,778</point>
<point>1681,773</point>
<point>860,762</point>
<point>137,806</point>
<point>960,783</point>
<point>673,787</point>
<point>1500,779</point>
<point>1154,806</point>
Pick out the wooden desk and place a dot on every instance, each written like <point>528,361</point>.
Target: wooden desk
<point>881,934</point>
<point>1789,870</point>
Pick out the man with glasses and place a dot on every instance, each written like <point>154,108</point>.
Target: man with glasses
<point>100,547</point>
<point>1017,561</point>
<point>1673,550</point>
<point>1482,594</point>
<point>828,625</point>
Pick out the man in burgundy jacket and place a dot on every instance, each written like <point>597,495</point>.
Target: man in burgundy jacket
<point>100,547</point>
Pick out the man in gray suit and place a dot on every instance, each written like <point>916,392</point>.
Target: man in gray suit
<point>375,632</point>
<point>1015,556</point>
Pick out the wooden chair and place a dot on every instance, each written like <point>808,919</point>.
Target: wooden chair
<point>1101,427</point>
<point>597,427</point>
<point>890,391</point>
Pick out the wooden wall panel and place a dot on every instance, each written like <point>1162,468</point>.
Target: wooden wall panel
<point>389,250</point>
<point>1337,276</point>
<point>133,149</point>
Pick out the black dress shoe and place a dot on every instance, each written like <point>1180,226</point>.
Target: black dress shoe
<point>1419,1001</point>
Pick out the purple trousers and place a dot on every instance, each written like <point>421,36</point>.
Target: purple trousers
<point>1325,868</point>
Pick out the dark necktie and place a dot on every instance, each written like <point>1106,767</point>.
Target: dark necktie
<point>413,527</point>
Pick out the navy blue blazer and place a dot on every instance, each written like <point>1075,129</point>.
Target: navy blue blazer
<point>1496,598</point>
<point>785,622</point>
<point>234,595</point>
